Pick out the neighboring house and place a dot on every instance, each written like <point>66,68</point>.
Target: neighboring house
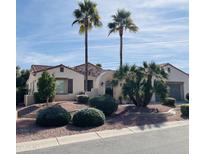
<point>70,81</point>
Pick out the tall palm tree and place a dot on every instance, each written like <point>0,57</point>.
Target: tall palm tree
<point>122,21</point>
<point>86,16</point>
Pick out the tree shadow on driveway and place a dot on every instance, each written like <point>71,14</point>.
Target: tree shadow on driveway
<point>141,117</point>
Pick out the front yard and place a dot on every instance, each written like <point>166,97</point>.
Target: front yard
<point>125,116</point>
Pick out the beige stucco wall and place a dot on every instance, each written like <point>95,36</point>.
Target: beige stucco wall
<point>107,76</point>
<point>78,79</point>
<point>78,82</point>
<point>28,100</point>
<point>98,88</point>
<point>101,79</point>
<point>176,75</point>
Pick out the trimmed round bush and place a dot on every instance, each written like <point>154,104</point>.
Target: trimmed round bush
<point>53,116</point>
<point>89,117</point>
<point>82,99</point>
<point>185,110</point>
<point>104,103</point>
<point>169,101</point>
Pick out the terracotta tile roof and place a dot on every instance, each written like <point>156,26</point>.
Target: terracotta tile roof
<point>93,70</point>
<point>37,68</point>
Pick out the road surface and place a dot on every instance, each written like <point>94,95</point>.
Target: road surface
<point>163,141</point>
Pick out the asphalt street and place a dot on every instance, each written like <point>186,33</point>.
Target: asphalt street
<point>163,141</point>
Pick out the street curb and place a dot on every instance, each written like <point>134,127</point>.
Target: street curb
<point>99,135</point>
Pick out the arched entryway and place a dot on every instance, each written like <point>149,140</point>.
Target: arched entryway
<point>108,88</point>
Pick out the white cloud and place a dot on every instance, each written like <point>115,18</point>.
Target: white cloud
<point>49,29</point>
<point>164,3</point>
<point>47,59</point>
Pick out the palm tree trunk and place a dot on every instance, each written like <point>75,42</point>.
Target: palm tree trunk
<point>121,44</point>
<point>86,58</point>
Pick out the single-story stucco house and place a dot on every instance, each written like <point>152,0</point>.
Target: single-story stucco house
<point>70,81</point>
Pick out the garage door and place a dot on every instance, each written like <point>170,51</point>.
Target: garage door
<point>176,90</point>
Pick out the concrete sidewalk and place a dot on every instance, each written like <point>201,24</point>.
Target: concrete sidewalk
<point>39,144</point>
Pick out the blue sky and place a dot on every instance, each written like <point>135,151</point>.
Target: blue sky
<point>44,34</point>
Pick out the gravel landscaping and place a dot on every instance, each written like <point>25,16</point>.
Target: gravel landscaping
<point>126,115</point>
<point>33,109</point>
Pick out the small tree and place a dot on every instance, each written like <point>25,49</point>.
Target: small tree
<point>21,78</point>
<point>46,87</point>
<point>98,65</point>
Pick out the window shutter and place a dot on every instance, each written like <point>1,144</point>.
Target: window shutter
<point>70,86</point>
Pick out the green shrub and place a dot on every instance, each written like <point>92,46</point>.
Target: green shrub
<point>187,96</point>
<point>88,117</point>
<point>169,101</point>
<point>46,87</point>
<point>40,99</point>
<point>185,110</point>
<point>20,92</point>
<point>82,99</point>
<point>109,91</point>
<point>53,116</point>
<point>104,103</point>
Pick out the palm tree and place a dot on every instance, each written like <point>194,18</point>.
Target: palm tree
<point>122,21</point>
<point>139,83</point>
<point>86,16</point>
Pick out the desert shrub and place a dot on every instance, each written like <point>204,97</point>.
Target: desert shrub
<point>53,116</point>
<point>109,91</point>
<point>82,99</point>
<point>169,101</point>
<point>185,110</point>
<point>88,117</point>
<point>104,103</point>
<point>187,96</point>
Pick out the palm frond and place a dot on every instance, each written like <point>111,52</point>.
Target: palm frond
<point>77,14</point>
<point>112,25</point>
<point>75,21</point>
<point>122,19</point>
<point>111,31</point>
<point>82,29</point>
<point>87,11</point>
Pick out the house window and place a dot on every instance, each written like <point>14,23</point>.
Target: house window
<point>61,86</point>
<point>169,69</point>
<point>70,86</point>
<point>61,69</point>
<point>89,85</point>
